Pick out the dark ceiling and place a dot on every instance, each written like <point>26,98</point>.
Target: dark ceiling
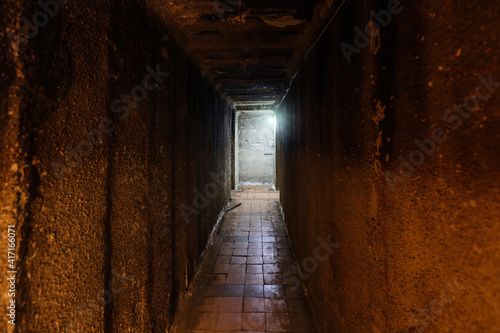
<point>248,50</point>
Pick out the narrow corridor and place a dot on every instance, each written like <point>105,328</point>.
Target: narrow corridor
<point>245,282</point>
<point>128,127</point>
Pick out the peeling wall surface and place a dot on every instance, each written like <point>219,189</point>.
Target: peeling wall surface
<point>256,148</point>
<point>418,250</point>
<point>115,156</point>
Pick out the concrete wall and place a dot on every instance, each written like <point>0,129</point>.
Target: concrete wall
<point>255,148</point>
<point>419,252</point>
<point>108,230</point>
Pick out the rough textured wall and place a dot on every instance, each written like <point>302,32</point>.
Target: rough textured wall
<point>13,190</point>
<point>105,168</point>
<point>419,251</point>
<point>256,148</point>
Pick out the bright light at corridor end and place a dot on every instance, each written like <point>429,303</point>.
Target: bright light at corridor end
<point>272,120</point>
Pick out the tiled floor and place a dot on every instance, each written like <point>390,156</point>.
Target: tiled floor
<point>245,283</point>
